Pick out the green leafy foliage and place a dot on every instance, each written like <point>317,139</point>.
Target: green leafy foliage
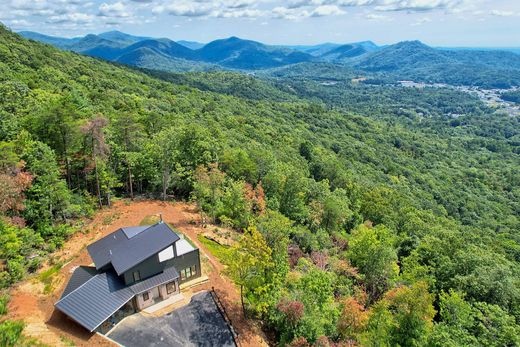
<point>379,197</point>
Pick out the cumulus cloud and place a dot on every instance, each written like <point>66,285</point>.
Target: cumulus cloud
<point>117,10</point>
<point>327,10</point>
<point>374,16</point>
<point>76,18</point>
<point>384,5</point>
<point>500,13</point>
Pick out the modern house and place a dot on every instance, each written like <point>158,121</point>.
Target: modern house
<point>135,267</point>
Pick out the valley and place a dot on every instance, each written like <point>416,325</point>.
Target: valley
<point>333,205</point>
<point>491,97</point>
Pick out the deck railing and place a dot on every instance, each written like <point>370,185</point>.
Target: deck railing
<point>222,310</point>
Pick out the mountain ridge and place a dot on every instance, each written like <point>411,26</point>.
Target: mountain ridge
<point>412,60</point>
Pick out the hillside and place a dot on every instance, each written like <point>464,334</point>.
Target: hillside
<point>246,54</point>
<point>346,53</point>
<point>410,201</point>
<point>411,60</point>
<point>416,61</point>
<point>167,55</point>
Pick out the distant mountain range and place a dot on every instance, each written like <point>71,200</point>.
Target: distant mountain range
<point>404,60</point>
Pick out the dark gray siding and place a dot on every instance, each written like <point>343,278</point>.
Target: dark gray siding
<point>186,260</point>
<point>152,266</point>
<point>149,267</point>
<point>168,275</point>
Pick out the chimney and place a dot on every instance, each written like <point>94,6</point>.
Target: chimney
<point>160,217</point>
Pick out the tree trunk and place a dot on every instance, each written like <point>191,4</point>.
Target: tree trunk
<point>242,300</point>
<point>69,175</point>
<point>165,183</point>
<point>130,183</point>
<point>98,188</point>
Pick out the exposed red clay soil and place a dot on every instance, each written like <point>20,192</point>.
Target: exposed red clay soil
<point>49,326</point>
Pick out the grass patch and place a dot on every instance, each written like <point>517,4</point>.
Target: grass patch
<point>107,220</point>
<point>150,220</point>
<point>4,300</point>
<point>47,277</point>
<point>220,251</point>
<point>67,342</point>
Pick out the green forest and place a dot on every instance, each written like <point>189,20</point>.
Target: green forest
<point>371,215</point>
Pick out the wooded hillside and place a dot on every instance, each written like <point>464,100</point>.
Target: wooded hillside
<point>387,223</point>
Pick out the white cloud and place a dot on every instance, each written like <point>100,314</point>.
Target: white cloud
<point>500,13</point>
<point>421,21</point>
<point>76,18</point>
<point>185,8</point>
<point>374,16</point>
<point>116,10</point>
<point>327,10</point>
<point>238,13</point>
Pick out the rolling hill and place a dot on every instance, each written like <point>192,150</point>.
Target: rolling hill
<point>245,54</point>
<point>409,60</point>
<point>416,61</point>
<point>348,52</point>
<point>395,203</point>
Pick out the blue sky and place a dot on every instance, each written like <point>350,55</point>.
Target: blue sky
<point>472,23</point>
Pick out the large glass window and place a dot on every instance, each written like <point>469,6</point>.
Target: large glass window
<point>188,272</point>
<point>170,287</point>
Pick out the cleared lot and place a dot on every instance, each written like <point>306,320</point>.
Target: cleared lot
<point>197,324</point>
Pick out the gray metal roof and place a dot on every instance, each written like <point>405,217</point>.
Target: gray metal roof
<point>81,275</point>
<point>96,300</point>
<point>168,275</point>
<point>133,231</point>
<point>125,252</point>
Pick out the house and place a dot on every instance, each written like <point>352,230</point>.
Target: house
<point>134,268</point>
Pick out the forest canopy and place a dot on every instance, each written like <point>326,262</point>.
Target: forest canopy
<point>378,217</point>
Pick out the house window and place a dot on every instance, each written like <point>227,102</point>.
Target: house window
<point>137,276</point>
<point>146,296</point>
<point>170,287</point>
<point>188,272</point>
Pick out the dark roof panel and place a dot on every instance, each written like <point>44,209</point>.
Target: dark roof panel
<point>124,252</point>
<point>81,275</point>
<point>96,300</point>
<point>100,250</point>
<point>168,275</point>
<point>133,231</point>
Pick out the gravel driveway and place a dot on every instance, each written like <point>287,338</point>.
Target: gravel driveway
<point>197,324</point>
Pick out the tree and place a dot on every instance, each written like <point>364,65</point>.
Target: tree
<point>413,313</point>
<point>352,320</point>
<point>165,151</point>
<point>95,137</point>
<point>236,207</point>
<point>129,133</point>
<point>57,126</point>
<point>371,250</point>
<point>208,188</point>
<point>49,199</point>
<point>248,263</point>
<point>13,180</point>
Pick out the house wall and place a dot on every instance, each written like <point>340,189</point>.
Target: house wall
<point>153,266</point>
<point>163,293</point>
<point>141,303</point>
<point>186,260</point>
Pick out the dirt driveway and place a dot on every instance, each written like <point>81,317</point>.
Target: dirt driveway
<point>29,303</point>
